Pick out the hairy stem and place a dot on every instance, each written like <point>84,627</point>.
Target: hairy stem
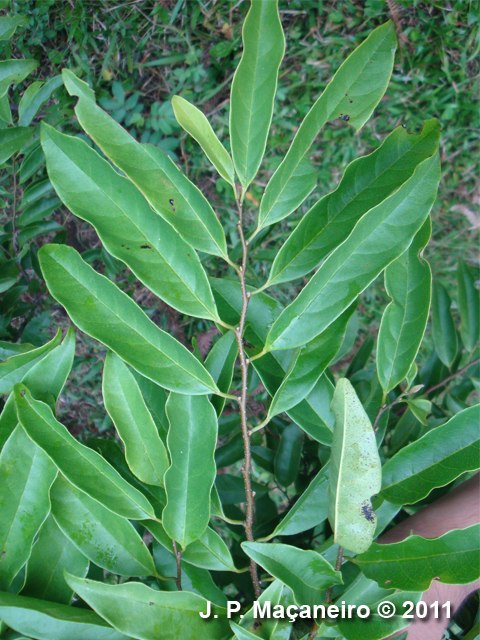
<point>178,558</point>
<point>328,597</point>
<point>242,400</point>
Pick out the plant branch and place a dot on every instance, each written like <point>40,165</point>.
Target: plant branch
<point>328,597</point>
<point>242,401</point>
<point>178,558</point>
<point>454,375</point>
<point>383,409</point>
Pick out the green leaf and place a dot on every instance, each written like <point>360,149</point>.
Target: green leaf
<point>12,140</point>
<point>241,634</point>
<point>137,610</point>
<point>412,564</point>
<point>355,472</point>
<point>220,364</point>
<point>310,510</point>
<point>13,72</point>
<point>377,627</point>
<point>9,24</point>
<point>107,314</point>
<point>52,621</point>
<point>45,381</point>
<point>32,100</point>
<point>191,441</point>
<point>249,621</point>
<point>347,272</point>
<point>307,573</point>
<point>8,349</point>
<point>420,409</point>
<point>144,450</point>
<point>287,457</point>
<point>196,124</point>
<point>408,281</point>
<point>126,224</point>
<point>352,95</point>
<point>469,306</point>
<point>26,474</point>
<point>15,368</point>
<point>155,398</point>
<point>106,539</point>
<point>165,187</point>
<point>253,87</point>
<point>84,468</point>
<point>208,552</point>
<point>51,554</point>
<point>367,182</point>
<point>443,326</point>
<point>437,458</point>
<point>309,363</point>
<point>314,414</point>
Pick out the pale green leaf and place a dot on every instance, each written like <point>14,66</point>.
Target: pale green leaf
<point>355,472</point>
<point>101,310</point>
<point>196,124</point>
<point>412,564</point>
<point>84,468</point>
<point>12,140</point>
<point>168,191</point>
<point>32,100</point>
<point>443,326</point>
<point>144,450</point>
<point>26,474</point>
<point>191,441</point>
<point>390,226</point>
<point>352,95</point>
<point>137,610</point>
<point>437,458</point>
<point>51,621</point>
<point>307,573</point>
<point>13,72</point>
<point>126,224</point>
<point>106,539</point>
<point>51,555</point>
<point>408,282</point>
<point>253,87</point>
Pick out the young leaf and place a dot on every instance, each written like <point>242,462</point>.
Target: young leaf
<point>355,472</point>
<point>50,621</point>
<point>287,457</point>
<point>51,555</point>
<point>220,363</point>
<point>390,226</point>
<point>107,314</point>
<point>443,325</point>
<point>196,124</point>
<point>15,368</point>
<point>191,441</point>
<point>437,458</point>
<point>469,306</point>
<point>106,539</point>
<point>26,474</point>
<point>241,634</point>
<point>208,552</point>
<point>249,620</point>
<point>144,450</point>
<point>12,140</point>
<point>309,363</point>
<point>310,510</point>
<point>412,564</point>
<point>13,72</point>
<point>352,95</point>
<point>126,224</point>
<point>408,281</point>
<point>84,468</point>
<point>307,573</point>
<point>253,87</point>
<point>165,187</point>
<point>367,182</point>
<point>141,612</point>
